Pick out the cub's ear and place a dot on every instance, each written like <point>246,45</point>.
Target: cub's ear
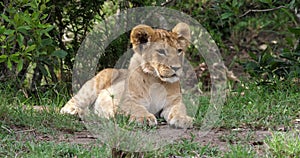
<point>141,34</point>
<point>183,31</point>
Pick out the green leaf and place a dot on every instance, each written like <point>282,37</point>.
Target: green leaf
<point>46,42</point>
<point>9,32</point>
<point>20,65</point>
<point>9,64</point>
<point>2,38</point>
<point>234,3</point>
<point>20,39</point>
<point>34,4</point>
<point>47,29</point>
<point>252,55</point>
<point>266,1</point>
<point>30,48</point>
<point>43,7</point>
<point>43,53</point>
<point>59,53</point>
<point>3,58</point>
<point>44,17</point>
<point>5,18</point>
<point>35,16</point>
<point>15,57</point>
<point>2,29</point>
<point>226,15</point>
<point>27,18</point>
<point>43,69</point>
<point>16,18</point>
<point>23,28</point>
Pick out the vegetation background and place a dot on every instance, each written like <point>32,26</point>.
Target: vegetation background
<point>258,39</point>
<point>40,38</point>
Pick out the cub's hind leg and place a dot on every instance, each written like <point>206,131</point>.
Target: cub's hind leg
<point>88,93</point>
<point>108,100</point>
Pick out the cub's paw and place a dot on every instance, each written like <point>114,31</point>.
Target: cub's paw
<point>148,119</point>
<point>72,110</point>
<point>181,121</point>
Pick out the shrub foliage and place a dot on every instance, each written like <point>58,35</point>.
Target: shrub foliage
<point>39,38</point>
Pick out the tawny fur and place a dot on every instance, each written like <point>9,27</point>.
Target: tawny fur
<point>149,88</point>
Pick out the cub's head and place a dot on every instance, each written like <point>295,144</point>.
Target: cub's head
<point>161,52</point>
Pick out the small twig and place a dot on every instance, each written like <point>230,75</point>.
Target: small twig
<point>9,130</point>
<point>166,3</point>
<point>262,10</point>
<point>23,131</point>
<point>87,136</point>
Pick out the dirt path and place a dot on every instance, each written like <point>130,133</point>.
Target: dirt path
<point>219,138</point>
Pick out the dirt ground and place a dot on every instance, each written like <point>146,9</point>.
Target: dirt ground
<point>219,138</point>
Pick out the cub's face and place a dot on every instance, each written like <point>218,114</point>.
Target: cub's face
<point>163,61</point>
<point>161,51</point>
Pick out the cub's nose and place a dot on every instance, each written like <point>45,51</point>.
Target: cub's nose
<point>175,68</point>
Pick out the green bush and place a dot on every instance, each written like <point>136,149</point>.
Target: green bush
<point>34,48</point>
<point>31,38</point>
<point>268,65</point>
<point>26,41</point>
<point>241,27</point>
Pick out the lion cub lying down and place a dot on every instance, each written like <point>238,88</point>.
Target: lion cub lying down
<point>149,88</point>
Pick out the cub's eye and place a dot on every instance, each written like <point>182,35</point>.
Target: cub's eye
<point>161,52</point>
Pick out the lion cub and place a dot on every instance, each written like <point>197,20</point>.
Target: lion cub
<point>149,88</point>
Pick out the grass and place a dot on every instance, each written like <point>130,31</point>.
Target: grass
<point>261,107</point>
<point>10,146</point>
<point>284,144</point>
<point>248,107</point>
<point>240,151</point>
<point>185,148</point>
<point>16,111</point>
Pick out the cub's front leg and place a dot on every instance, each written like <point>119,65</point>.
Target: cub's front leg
<point>137,112</point>
<point>176,116</point>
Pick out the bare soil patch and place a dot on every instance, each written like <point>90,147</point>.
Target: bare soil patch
<point>219,138</point>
